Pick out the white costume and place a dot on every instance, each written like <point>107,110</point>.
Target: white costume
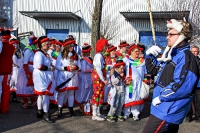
<point>84,93</point>
<point>133,102</point>
<point>22,89</point>
<point>43,79</point>
<point>17,64</point>
<point>62,76</point>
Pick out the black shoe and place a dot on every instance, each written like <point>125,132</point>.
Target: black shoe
<point>40,113</point>
<point>48,118</point>
<point>59,113</point>
<point>14,98</point>
<point>71,111</point>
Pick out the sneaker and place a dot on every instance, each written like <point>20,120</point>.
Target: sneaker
<point>120,118</point>
<point>126,117</point>
<point>135,118</point>
<point>102,116</point>
<point>111,119</point>
<point>97,118</point>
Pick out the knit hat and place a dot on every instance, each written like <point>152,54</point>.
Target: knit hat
<point>86,48</point>
<point>41,40</point>
<point>123,44</point>
<point>119,62</point>
<point>101,43</point>
<point>60,43</point>
<point>5,34</point>
<point>69,41</point>
<point>111,48</point>
<point>185,31</point>
<point>52,41</point>
<point>133,47</point>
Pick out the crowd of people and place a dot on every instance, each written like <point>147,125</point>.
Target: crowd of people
<point>59,72</point>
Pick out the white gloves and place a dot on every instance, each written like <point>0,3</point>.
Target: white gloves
<point>154,50</point>
<point>156,101</point>
<point>1,46</point>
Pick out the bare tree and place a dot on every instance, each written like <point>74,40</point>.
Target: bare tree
<point>108,27</point>
<point>96,20</point>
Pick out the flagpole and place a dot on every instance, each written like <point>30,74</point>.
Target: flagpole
<point>151,21</point>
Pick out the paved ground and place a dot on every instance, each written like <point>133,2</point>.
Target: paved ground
<point>20,120</point>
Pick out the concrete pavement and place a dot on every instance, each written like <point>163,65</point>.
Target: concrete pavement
<point>20,120</point>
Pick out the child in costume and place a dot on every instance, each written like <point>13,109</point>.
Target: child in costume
<point>116,94</point>
<point>98,80</point>
<point>83,95</point>
<point>110,60</point>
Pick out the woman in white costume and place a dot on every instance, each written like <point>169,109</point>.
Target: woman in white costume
<point>44,84</point>
<point>24,84</point>
<point>136,70</point>
<point>67,65</point>
<point>83,95</point>
<point>54,56</point>
<point>17,64</point>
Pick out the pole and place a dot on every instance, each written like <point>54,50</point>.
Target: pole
<point>151,21</point>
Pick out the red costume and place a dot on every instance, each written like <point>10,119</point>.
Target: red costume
<point>5,69</point>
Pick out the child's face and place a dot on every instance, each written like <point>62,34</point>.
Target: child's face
<point>120,69</point>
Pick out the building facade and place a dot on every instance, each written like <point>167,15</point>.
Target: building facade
<point>129,19</point>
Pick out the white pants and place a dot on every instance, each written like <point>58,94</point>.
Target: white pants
<point>70,98</point>
<point>43,103</point>
<point>135,110</point>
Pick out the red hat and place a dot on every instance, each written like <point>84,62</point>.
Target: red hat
<point>111,48</point>
<point>12,41</point>
<point>5,34</point>
<point>132,47</point>
<point>52,41</point>
<point>60,43</point>
<point>119,62</point>
<point>69,41</point>
<point>86,48</point>
<point>123,44</point>
<point>101,43</point>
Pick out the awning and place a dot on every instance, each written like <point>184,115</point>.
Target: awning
<point>156,15</point>
<point>36,15</point>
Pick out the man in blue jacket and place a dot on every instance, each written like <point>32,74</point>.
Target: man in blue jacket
<point>177,72</point>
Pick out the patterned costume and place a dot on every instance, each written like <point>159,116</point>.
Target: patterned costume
<point>98,79</point>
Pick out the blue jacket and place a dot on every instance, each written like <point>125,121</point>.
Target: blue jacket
<point>174,85</point>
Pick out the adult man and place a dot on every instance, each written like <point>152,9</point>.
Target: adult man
<point>177,73</point>
<point>195,108</point>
